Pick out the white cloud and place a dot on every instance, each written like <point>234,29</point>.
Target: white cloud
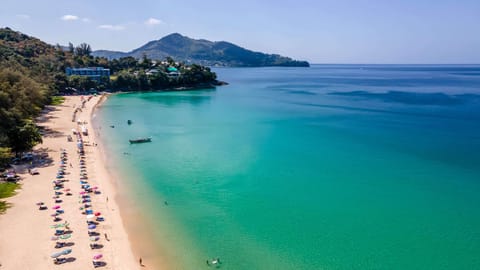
<point>69,18</point>
<point>23,16</point>
<point>112,27</point>
<point>153,21</point>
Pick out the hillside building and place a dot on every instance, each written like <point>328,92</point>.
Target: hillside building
<point>95,73</point>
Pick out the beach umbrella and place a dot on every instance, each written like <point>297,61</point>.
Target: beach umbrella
<point>95,187</point>
<point>65,236</point>
<point>97,214</point>
<point>56,207</point>
<point>94,238</point>
<point>39,203</point>
<point>97,256</point>
<point>53,215</point>
<point>56,255</point>
<point>67,189</point>
<point>54,238</point>
<point>90,216</point>
<point>91,227</point>
<point>82,192</point>
<point>66,251</point>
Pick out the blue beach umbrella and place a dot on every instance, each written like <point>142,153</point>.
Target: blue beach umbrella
<point>56,255</point>
<point>66,251</point>
<point>91,227</point>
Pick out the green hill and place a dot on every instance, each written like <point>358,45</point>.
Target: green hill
<point>28,69</point>
<point>204,52</point>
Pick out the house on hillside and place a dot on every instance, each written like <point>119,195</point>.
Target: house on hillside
<point>152,71</point>
<point>173,72</point>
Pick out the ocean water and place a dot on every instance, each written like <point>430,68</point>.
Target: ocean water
<point>328,167</point>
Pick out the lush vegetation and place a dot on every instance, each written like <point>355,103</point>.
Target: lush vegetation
<point>204,52</point>
<point>32,75</point>
<point>57,100</point>
<point>146,74</point>
<point>6,190</point>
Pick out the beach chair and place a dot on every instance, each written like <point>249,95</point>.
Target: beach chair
<point>59,244</point>
<point>59,260</point>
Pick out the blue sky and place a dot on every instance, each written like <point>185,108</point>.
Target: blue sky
<point>322,31</point>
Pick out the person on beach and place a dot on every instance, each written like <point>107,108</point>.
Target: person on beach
<point>141,262</point>
<point>106,237</point>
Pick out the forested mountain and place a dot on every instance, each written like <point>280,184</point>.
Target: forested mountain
<point>204,52</point>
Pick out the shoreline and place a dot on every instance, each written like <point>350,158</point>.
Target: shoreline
<point>26,231</point>
<point>140,233</point>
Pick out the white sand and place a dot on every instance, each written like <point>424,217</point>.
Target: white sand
<point>25,232</point>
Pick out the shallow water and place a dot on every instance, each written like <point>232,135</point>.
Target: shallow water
<point>328,167</point>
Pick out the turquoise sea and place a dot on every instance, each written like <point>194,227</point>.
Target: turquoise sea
<point>327,167</point>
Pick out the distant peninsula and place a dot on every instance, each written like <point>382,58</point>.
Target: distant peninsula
<point>203,52</point>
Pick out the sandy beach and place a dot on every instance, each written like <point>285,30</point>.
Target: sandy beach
<point>26,232</point>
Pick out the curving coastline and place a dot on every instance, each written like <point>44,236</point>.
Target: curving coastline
<point>137,226</point>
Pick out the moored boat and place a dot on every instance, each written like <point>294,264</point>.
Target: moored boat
<point>140,140</point>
